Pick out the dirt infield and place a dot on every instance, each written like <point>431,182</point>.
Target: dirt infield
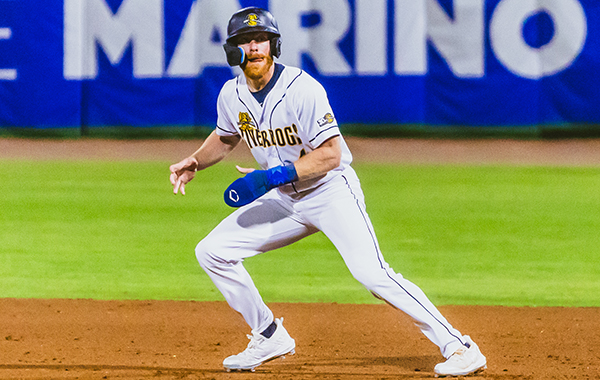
<point>87,339</point>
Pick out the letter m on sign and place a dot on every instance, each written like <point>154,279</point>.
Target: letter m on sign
<point>91,23</point>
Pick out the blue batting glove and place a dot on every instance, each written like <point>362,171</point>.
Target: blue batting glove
<point>257,183</point>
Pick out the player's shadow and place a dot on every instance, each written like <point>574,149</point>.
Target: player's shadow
<point>262,212</point>
<point>407,364</point>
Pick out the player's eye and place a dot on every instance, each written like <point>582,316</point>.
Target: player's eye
<point>261,38</point>
<point>246,39</point>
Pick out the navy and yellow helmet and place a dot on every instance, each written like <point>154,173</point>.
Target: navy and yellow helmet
<point>250,20</point>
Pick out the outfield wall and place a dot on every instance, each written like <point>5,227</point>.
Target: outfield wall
<point>501,63</point>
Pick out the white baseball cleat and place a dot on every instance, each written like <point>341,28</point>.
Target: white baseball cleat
<point>261,349</point>
<point>463,361</point>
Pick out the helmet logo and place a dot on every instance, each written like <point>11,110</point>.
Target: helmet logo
<point>251,19</point>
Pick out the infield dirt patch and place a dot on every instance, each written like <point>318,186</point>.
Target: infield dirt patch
<point>88,339</point>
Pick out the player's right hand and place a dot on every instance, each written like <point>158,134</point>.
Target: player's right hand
<point>182,173</point>
<point>257,183</point>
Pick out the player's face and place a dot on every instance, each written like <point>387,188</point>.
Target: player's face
<point>258,50</point>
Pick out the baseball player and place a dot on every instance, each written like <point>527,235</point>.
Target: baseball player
<point>305,184</point>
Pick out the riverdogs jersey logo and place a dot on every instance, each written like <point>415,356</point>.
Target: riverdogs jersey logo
<point>327,119</point>
<point>286,136</point>
<point>246,123</point>
<point>251,20</point>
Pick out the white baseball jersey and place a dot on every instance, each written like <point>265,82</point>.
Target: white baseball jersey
<point>294,119</point>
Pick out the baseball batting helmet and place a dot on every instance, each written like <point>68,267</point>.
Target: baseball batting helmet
<point>250,20</point>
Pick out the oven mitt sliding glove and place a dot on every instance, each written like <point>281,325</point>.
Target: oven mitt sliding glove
<point>255,184</point>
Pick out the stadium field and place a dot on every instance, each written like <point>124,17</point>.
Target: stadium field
<point>501,234</point>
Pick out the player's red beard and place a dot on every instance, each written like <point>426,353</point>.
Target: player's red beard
<point>256,70</point>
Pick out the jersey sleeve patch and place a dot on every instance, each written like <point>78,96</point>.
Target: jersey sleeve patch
<point>327,119</point>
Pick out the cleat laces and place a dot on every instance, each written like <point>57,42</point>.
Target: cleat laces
<point>458,356</point>
<point>255,341</point>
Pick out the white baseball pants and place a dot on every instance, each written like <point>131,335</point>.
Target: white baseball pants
<point>337,209</point>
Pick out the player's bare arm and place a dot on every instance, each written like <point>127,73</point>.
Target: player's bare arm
<point>320,161</point>
<point>316,163</point>
<point>213,150</point>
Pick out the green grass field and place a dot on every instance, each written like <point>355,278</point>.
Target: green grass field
<point>488,235</point>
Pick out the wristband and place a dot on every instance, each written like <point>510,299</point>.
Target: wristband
<point>280,175</point>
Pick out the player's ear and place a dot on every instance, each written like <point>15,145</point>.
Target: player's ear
<point>275,42</point>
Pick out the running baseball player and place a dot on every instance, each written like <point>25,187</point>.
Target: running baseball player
<point>305,184</point>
